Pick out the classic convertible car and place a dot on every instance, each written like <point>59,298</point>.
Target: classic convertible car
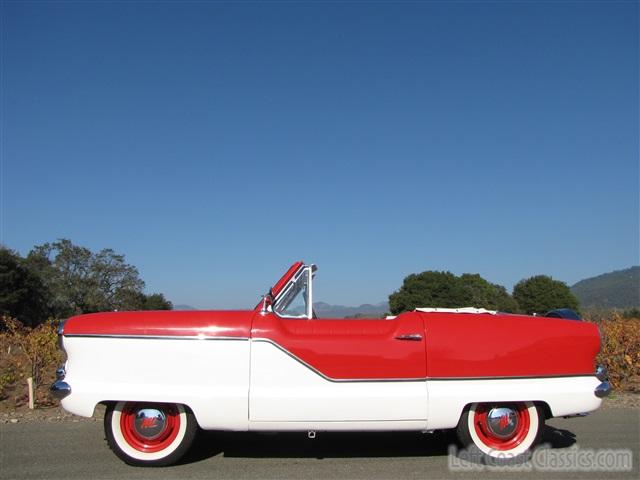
<point>494,377</point>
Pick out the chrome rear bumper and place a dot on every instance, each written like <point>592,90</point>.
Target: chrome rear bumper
<point>60,389</point>
<point>602,390</point>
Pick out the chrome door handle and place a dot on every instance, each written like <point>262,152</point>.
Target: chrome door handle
<point>413,337</point>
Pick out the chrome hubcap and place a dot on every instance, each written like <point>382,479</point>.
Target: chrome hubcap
<point>150,423</point>
<point>502,421</point>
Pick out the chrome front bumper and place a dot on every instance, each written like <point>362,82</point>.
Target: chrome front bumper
<point>60,389</point>
<point>604,388</point>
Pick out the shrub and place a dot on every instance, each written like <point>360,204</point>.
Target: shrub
<point>621,351</point>
<point>28,352</point>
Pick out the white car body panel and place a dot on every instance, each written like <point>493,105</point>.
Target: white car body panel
<point>564,395</point>
<point>210,376</point>
<point>285,390</point>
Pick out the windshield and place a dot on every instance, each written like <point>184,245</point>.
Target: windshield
<point>293,300</point>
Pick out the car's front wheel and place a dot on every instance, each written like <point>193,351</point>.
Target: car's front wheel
<point>500,432</point>
<point>149,434</point>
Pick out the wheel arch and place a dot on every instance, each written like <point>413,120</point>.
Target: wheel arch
<point>111,403</point>
<point>541,404</point>
<point>544,408</point>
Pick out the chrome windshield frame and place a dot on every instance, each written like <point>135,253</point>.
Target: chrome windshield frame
<point>292,289</point>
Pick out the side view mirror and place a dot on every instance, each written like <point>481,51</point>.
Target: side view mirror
<point>267,300</point>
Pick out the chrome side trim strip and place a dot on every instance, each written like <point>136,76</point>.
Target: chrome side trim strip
<point>152,337</point>
<point>507,377</point>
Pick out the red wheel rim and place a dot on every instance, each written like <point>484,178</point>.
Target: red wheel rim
<point>502,427</point>
<point>149,428</point>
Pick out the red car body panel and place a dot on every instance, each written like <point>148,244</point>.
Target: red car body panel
<point>343,349</point>
<point>502,345</point>
<point>163,323</point>
<point>457,345</point>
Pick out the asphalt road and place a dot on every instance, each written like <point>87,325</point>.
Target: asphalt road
<point>76,450</point>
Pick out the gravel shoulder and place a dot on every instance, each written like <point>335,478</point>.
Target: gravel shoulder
<point>76,450</point>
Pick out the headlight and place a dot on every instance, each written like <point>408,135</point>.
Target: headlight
<point>60,335</point>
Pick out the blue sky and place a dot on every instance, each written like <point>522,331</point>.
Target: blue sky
<point>215,143</point>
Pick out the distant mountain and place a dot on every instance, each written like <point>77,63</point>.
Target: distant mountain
<point>619,289</point>
<point>184,307</point>
<point>325,310</point>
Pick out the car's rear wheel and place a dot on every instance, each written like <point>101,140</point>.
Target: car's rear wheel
<point>500,432</point>
<point>149,434</point>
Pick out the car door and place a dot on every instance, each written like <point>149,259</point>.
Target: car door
<point>337,370</point>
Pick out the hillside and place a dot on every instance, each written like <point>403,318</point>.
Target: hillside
<point>619,289</point>
<point>183,307</point>
<point>325,310</point>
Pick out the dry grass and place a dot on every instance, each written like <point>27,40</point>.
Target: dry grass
<point>27,352</point>
<point>621,351</point>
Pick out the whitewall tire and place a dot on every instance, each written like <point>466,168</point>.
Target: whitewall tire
<point>149,434</point>
<point>500,432</point>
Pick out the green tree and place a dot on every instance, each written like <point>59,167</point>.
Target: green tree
<point>156,301</point>
<point>114,278</point>
<point>446,290</point>
<point>483,294</point>
<point>80,281</point>
<point>427,289</point>
<point>23,295</point>
<point>541,293</point>
<point>140,301</point>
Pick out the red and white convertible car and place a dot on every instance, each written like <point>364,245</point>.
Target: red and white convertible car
<point>495,377</point>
